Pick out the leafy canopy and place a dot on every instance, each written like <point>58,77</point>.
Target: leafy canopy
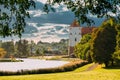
<point>82,49</point>
<point>81,8</point>
<point>12,16</point>
<point>116,54</point>
<point>104,43</point>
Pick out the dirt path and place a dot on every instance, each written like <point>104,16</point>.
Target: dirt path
<point>92,67</point>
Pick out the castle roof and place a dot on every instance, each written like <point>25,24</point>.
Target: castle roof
<point>75,23</point>
<point>86,30</point>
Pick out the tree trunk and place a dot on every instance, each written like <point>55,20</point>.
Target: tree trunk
<point>112,62</point>
<point>106,64</point>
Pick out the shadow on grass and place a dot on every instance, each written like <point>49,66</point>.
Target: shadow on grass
<point>112,67</point>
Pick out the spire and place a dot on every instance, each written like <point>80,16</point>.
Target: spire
<point>75,24</point>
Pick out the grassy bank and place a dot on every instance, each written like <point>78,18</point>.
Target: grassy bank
<point>78,74</point>
<point>62,58</point>
<point>10,60</point>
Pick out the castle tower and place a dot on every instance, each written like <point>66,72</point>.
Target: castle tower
<point>74,36</point>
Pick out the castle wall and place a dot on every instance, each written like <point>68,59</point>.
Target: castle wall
<point>75,34</point>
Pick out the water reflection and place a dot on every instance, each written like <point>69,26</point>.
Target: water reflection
<point>30,64</point>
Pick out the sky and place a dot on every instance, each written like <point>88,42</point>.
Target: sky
<point>43,27</point>
<point>50,27</point>
<point>43,1</point>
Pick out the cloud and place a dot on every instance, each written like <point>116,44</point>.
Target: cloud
<point>48,32</point>
<point>50,27</point>
<point>42,1</point>
<point>36,13</point>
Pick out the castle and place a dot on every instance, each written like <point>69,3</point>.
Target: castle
<point>75,34</point>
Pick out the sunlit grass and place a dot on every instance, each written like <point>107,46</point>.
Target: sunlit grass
<point>78,74</point>
<point>83,68</point>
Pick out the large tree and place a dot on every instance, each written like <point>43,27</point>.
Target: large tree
<point>12,16</point>
<point>83,8</point>
<point>116,55</point>
<point>104,43</point>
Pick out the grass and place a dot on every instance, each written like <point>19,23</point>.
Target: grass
<point>82,69</point>
<point>78,74</point>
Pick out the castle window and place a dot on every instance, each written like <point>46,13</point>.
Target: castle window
<point>75,39</point>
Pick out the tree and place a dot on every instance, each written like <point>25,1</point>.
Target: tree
<point>43,52</point>
<point>12,16</point>
<point>63,46</point>
<point>82,49</point>
<point>32,47</point>
<point>22,48</point>
<point>37,52</point>
<point>116,55</point>
<point>25,48</point>
<point>2,52</point>
<point>18,48</point>
<point>9,48</point>
<point>82,8</point>
<point>104,43</point>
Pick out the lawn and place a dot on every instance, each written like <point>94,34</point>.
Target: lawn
<point>78,74</point>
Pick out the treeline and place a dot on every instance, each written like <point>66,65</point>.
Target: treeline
<point>24,48</point>
<point>102,45</point>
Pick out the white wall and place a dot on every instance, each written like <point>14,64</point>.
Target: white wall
<point>74,35</point>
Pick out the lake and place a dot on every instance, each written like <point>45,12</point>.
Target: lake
<point>30,64</point>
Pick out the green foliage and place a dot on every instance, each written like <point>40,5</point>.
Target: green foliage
<point>9,48</point>
<point>82,8</point>
<point>22,48</point>
<point>54,47</point>
<point>116,55</point>
<point>82,49</point>
<point>12,16</point>
<point>2,52</point>
<point>37,52</point>
<point>104,43</point>
<point>32,47</point>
